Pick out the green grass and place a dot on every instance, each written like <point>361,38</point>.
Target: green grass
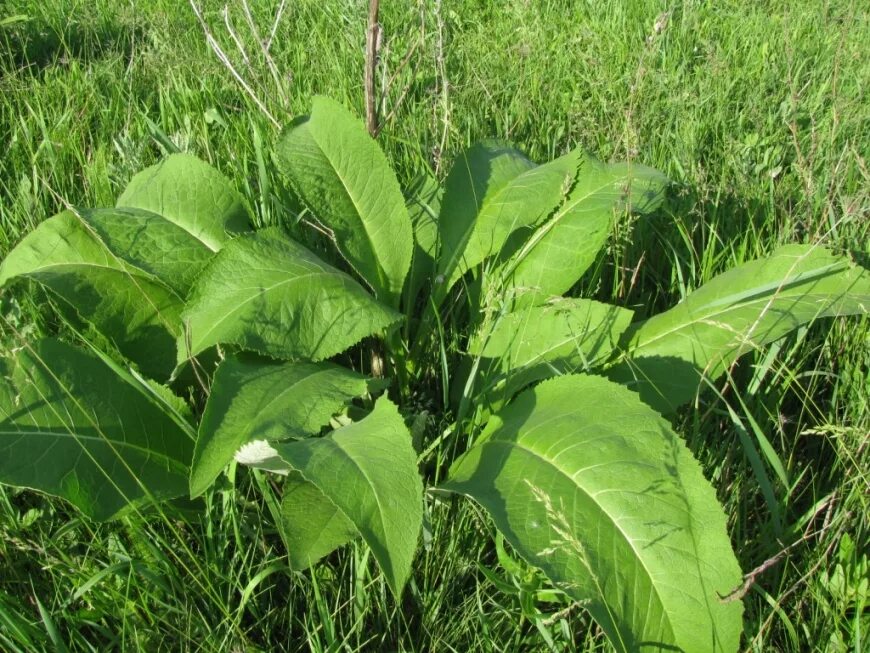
<point>757,111</point>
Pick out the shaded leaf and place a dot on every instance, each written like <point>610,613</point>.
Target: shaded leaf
<point>342,174</point>
<point>424,204</point>
<point>252,399</point>
<point>268,294</point>
<point>104,441</point>
<point>593,487</point>
<point>738,311</point>
<point>312,525</point>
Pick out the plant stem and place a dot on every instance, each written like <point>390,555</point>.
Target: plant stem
<point>372,42</point>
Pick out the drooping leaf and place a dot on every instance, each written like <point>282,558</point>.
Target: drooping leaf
<point>128,305</point>
<point>75,426</point>
<point>251,399</point>
<point>477,175</point>
<point>190,193</point>
<point>311,524</point>
<point>551,257</point>
<point>592,486</point>
<point>562,336</point>
<point>268,294</point>
<point>342,174</point>
<point>740,310</point>
<point>369,471</point>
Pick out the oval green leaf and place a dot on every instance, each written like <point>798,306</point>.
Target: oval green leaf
<point>740,310</point>
<point>560,337</point>
<point>266,293</point>
<point>592,486</point>
<point>344,177</point>
<point>525,201</point>
<point>151,243</point>
<point>78,427</point>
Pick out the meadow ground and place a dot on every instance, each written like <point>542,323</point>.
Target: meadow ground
<point>756,110</point>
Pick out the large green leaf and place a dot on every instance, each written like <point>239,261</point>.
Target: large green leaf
<point>312,525</point>
<point>79,427</point>
<point>251,399</point>
<point>562,336</point>
<point>342,174</point>
<point>551,257</point>
<point>193,195</point>
<point>268,294</point>
<point>129,305</point>
<point>740,310</point>
<point>368,470</point>
<point>593,487</point>
<point>478,175</point>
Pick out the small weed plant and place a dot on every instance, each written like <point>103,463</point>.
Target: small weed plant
<point>207,344</point>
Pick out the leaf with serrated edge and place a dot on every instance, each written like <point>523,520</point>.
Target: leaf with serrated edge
<point>564,335</point>
<point>189,192</point>
<point>342,174</point>
<point>128,305</point>
<point>252,399</point>
<point>740,310</point>
<point>369,471</point>
<point>76,427</point>
<point>311,524</point>
<point>266,293</point>
<point>551,258</point>
<point>477,175</point>
<point>592,486</point>
<point>525,201</point>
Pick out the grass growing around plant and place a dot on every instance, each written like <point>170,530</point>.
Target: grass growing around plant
<point>756,113</point>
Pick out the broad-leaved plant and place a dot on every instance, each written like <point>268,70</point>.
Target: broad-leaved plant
<point>311,366</point>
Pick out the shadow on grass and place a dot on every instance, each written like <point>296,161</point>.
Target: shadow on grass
<point>39,42</point>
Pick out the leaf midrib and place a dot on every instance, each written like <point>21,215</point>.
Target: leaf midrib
<point>572,481</point>
<point>383,278</point>
<point>546,227</point>
<point>323,273</point>
<point>766,298</point>
<point>100,440</point>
